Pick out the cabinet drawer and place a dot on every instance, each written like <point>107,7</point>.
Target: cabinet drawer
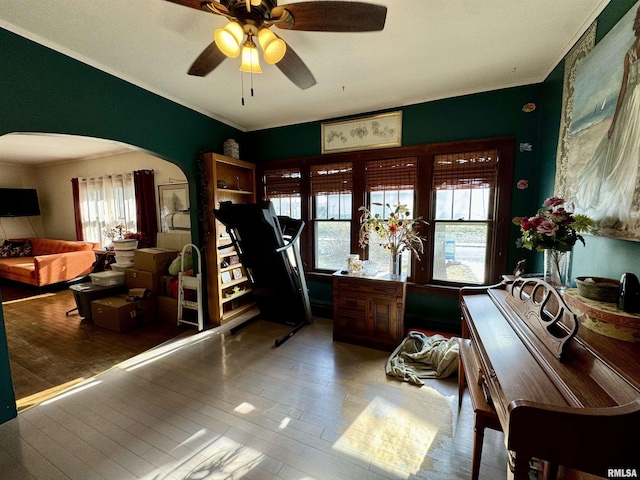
<point>377,288</point>
<point>351,305</point>
<point>346,322</point>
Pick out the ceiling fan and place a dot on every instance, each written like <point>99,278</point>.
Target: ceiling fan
<point>249,19</point>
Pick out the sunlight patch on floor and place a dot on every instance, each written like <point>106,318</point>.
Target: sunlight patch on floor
<point>27,299</point>
<point>221,458</point>
<point>391,436</point>
<point>244,407</point>
<point>27,402</point>
<point>72,391</point>
<point>162,351</point>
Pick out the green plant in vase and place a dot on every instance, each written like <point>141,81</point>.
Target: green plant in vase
<point>396,233</point>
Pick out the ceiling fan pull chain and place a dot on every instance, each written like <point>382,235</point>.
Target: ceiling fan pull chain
<point>251,73</point>
<point>242,87</point>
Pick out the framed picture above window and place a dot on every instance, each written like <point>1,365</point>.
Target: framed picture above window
<point>378,131</point>
<point>173,200</point>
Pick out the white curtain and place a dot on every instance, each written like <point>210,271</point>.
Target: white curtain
<point>105,202</point>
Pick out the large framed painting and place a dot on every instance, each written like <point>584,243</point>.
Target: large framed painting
<point>599,147</point>
<point>173,200</point>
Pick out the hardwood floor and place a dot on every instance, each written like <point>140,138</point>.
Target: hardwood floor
<point>215,405</point>
<point>48,349</point>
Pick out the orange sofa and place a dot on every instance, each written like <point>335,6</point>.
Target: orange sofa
<point>51,261</point>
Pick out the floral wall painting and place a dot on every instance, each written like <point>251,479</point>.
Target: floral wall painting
<point>599,171</point>
<point>378,131</point>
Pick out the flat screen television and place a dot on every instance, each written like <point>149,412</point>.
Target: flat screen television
<point>19,202</point>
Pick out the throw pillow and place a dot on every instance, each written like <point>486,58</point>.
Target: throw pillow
<point>26,249</point>
<point>13,248</point>
<point>5,249</point>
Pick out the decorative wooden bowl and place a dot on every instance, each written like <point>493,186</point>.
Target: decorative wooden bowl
<point>598,288</point>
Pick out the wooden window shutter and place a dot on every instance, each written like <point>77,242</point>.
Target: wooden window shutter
<point>332,178</point>
<point>467,170</point>
<point>283,182</point>
<point>392,174</point>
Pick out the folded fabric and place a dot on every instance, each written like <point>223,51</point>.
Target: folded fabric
<point>420,356</point>
<point>176,265</point>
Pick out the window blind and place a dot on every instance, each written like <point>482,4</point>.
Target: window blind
<point>467,170</point>
<point>392,174</point>
<point>283,182</point>
<point>332,178</point>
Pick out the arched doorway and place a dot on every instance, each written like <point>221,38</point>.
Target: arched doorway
<point>47,163</point>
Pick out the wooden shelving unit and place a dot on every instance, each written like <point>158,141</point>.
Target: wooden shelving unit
<point>229,295</point>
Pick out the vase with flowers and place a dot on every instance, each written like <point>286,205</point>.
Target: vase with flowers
<point>396,233</point>
<point>554,231</point>
<point>115,233</point>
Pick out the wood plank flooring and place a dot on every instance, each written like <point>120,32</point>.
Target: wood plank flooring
<point>221,406</point>
<point>48,348</point>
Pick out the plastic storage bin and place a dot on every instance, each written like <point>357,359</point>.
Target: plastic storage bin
<point>106,279</point>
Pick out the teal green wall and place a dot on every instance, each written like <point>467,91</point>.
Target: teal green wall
<point>7,397</point>
<point>45,91</point>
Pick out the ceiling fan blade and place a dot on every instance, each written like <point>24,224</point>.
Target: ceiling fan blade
<point>209,59</point>
<point>335,16</point>
<point>200,5</point>
<point>295,70</point>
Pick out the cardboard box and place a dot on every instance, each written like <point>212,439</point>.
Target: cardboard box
<point>114,313</point>
<point>167,309</point>
<point>137,278</point>
<point>156,260</point>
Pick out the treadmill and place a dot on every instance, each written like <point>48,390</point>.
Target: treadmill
<point>267,245</point>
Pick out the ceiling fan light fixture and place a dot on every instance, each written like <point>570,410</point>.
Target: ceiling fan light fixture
<point>250,61</point>
<point>229,38</point>
<point>273,47</point>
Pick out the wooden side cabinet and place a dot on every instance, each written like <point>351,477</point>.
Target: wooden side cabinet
<point>369,311</point>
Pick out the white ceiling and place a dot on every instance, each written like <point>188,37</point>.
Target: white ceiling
<point>40,149</point>
<point>429,49</point>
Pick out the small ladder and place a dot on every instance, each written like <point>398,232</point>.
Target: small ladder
<point>187,282</point>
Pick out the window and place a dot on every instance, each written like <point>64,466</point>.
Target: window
<point>282,188</point>
<point>464,185</point>
<point>461,189</point>
<point>390,182</point>
<point>331,190</point>
<point>105,202</point>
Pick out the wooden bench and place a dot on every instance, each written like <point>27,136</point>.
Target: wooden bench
<point>485,416</point>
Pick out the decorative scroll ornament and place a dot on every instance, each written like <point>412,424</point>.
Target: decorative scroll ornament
<point>544,311</point>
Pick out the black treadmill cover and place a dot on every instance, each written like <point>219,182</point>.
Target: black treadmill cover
<point>258,233</point>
